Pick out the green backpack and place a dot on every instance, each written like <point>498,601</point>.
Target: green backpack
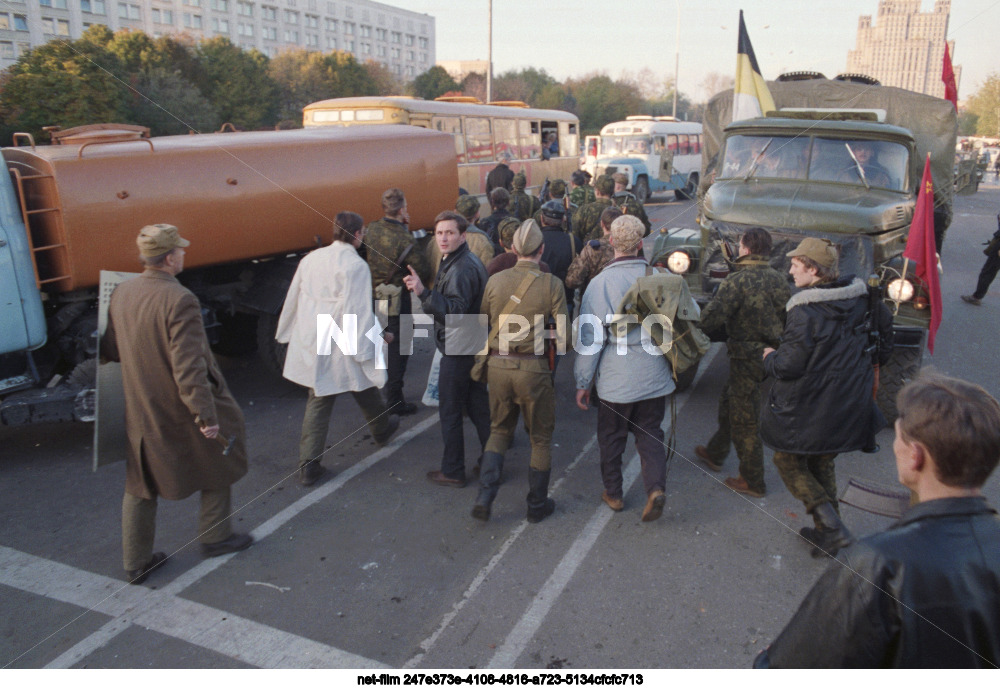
<point>662,293</point>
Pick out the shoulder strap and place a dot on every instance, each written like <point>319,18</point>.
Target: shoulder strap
<point>519,293</point>
<point>399,263</point>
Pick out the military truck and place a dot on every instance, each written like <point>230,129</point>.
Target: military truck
<point>840,160</point>
<point>252,203</point>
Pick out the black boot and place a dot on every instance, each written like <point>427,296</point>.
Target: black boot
<point>831,534</point>
<point>540,505</point>
<point>490,468</point>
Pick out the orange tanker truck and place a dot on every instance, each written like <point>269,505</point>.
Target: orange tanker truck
<point>252,203</point>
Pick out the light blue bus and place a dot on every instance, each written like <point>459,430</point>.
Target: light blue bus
<point>656,153</point>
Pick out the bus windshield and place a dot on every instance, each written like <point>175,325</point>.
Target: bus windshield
<point>617,145</point>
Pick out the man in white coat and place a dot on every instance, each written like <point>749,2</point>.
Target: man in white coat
<point>332,291</point>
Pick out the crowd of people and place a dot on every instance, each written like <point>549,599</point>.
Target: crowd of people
<point>510,280</point>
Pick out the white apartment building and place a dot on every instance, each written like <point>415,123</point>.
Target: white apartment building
<point>905,47</point>
<point>401,40</point>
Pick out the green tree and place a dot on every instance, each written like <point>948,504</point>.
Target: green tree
<point>967,123</point>
<point>303,77</point>
<point>600,100</point>
<point>66,83</point>
<point>474,86</point>
<point>383,81</point>
<point>237,83</point>
<point>433,83</point>
<point>168,103</point>
<point>985,106</point>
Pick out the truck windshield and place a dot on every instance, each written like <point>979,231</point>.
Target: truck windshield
<point>617,145</point>
<point>879,164</point>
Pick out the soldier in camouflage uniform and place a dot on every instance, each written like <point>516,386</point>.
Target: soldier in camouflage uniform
<point>595,255</point>
<point>582,193</point>
<point>750,304</point>
<point>522,205</point>
<point>587,220</point>
<point>557,192</point>
<point>628,201</point>
<point>385,241</point>
<point>499,200</point>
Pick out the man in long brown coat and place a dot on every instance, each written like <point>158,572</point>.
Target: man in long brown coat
<point>179,414</point>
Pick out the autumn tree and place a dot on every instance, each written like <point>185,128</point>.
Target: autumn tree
<point>303,77</point>
<point>474,85</point>
<point>383,82</point>
<point>985,106</point>
<point>600,100</point>
<point>433,83</point>
<point>237,83</point>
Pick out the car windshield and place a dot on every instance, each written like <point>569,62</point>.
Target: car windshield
<point>879,164</point>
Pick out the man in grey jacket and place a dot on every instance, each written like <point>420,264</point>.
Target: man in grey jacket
<point>632,383</point>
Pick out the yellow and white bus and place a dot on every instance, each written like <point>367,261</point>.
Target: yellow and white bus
<point>484,133</point>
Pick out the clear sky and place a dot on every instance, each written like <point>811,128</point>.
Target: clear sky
<point>575,37</point>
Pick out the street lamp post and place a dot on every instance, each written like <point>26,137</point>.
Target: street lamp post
<point>677,55</point>
<point>489,58</point>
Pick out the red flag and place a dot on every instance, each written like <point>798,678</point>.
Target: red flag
<point>948,77</point>
<point>921,248</point>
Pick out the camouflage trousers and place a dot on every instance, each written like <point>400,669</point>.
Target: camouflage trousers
<point>810,478</point>
<point>739,413</point>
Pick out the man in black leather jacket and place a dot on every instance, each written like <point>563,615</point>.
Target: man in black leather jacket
<point>925,593</point>
<point>458,291</point>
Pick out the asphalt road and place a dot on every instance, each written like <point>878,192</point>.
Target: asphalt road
<point>377,567</point>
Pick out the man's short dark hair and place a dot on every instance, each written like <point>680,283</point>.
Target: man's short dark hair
<point>459,219</point>
<point>499,198</point>
<point>959,424</point>
<point>757,240</point>
<point>609,215</point>
<point>393,201</point>
<point>579,179</point>
<point>346,226</point>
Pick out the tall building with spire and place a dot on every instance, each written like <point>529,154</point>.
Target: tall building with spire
<point>904,47</point>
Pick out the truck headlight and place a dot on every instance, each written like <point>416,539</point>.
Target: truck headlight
<point>678,262</point>
<point>900,290</point>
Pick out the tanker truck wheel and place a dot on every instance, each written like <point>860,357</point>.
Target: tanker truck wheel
<point>900,369</point>
<point>272,352</point>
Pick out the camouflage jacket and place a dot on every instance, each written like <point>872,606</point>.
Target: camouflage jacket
<point>595,255</point>
<point>523,205</point>
<point>630,205</point>
<point>587,220</point>
<point>750,304</point>
<point>581,195</point>
<point>385,241</point>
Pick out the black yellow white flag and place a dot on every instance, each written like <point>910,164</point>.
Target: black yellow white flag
<point>750,95</point>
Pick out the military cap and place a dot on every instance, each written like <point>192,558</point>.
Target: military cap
<point>553,209</point>
<point>506,228</point>
<point>822,251</point>
<point>528,238</point>
<point>468,206</point>
<point>557,188</point>
<point>158,239</point>
<point>605,185</point>
<point>626,233</point>
<point>520,181</point>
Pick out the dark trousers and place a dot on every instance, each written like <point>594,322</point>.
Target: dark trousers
<point>986,276</point>
<point>458,393</point>
<point>396,362</point>
<point>139,524</point>
<point>316,421</point>
<point>643,419</point>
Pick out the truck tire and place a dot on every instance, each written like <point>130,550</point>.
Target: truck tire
<point>272,352</point>
<point>898,371</point>
<point>689,189</point>
<point>641,190</point>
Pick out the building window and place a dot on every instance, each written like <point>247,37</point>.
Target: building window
<point>312,40</point>
<point>331,8</point>
<point>290,3</point>
<point>366,31</point>
<point>410,56</point>
<point>381,34</point>
<point>312,21</point>
<point>246,9</point>
<point>93,6</point>
<point>220,5</point>
<point>20,22</point>
<point>271,33</point>
<point>291,17</point>
<point>409,39</point>
<point>163,16</point>
<point>349,28</point>
<point>57,4</point>
<point>381,51</point>
<point>423,43</point>
<point>331,43</point>
<point>6,50</point>
<point>220,25</point>
<point>192,3</point>
<point>397,37</point>
<point>192,21</point>
<point>244,29</point>
<point>270,13</point>
<point>331,25</point>
<point>128,11</point>
<point>291,36</point>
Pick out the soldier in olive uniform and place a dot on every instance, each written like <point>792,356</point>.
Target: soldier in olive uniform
<point>519,377</point>
<point>557,192</point>
<point>750,304</point>
<point>499,200</point>
<point>596,254</point>
<point>627,201</point>
<point>522,205</point>
<point>587,220</point>
<point>581,193</point>
<point>386,241</point>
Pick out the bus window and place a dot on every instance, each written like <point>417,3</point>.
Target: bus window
<point>659,145</point>
<point>528,135</point>
<point>371,115</point>
<point>695,143</point>
<point>550,139</point>
<point>326,116</point>
<point>505,137</point>
<point>672,143</point>
<point>570,139</point>
<point>453,126</point>
<point>682,144</point>
<point>478,141</point>
<point>346,115</point>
